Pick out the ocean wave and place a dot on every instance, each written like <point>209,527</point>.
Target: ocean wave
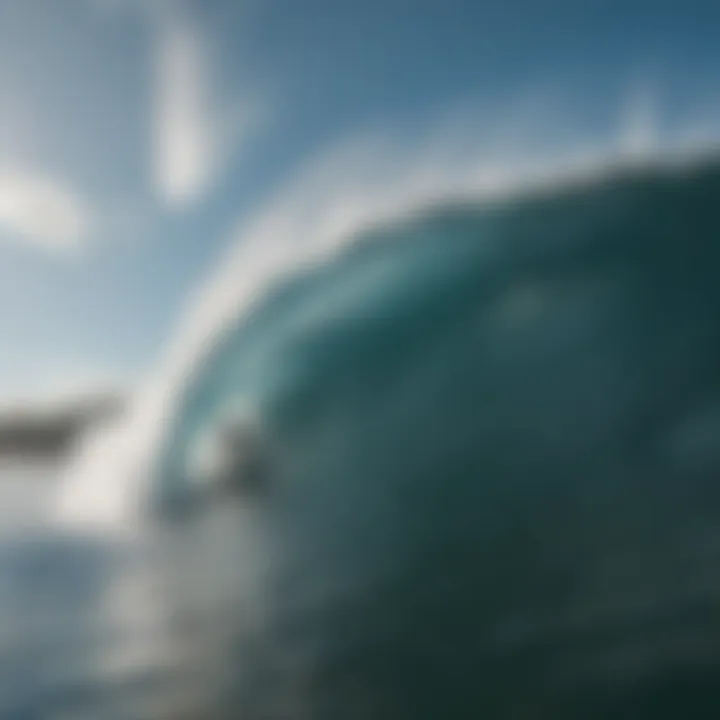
<point>489,427</point>
<point>322,213</point>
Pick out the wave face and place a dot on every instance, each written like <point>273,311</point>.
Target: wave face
<point>495,442</point>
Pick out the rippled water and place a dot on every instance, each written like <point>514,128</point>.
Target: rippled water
<point>83,633</point>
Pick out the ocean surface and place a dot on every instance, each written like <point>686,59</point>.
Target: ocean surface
<point>83,631</point>
<point>488,437</point>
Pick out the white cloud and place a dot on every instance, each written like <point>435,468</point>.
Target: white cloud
<point>639,124</point>
<point>196,126</point>
<point>184,134</point>
<point>41,211</point>
<point>194,131</point>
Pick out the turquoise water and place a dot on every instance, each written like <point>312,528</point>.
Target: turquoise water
<point>494,442</point>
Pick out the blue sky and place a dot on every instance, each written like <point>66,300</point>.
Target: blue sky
<point>137,135</point>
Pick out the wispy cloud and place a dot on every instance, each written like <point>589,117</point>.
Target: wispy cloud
<point>184,132</point>
<point>41,211</point>
<point>194,130</point>
<point>197,123</point>
<point>639,122</point>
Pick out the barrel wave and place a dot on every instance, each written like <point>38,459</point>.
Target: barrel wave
<point>492,433</point>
